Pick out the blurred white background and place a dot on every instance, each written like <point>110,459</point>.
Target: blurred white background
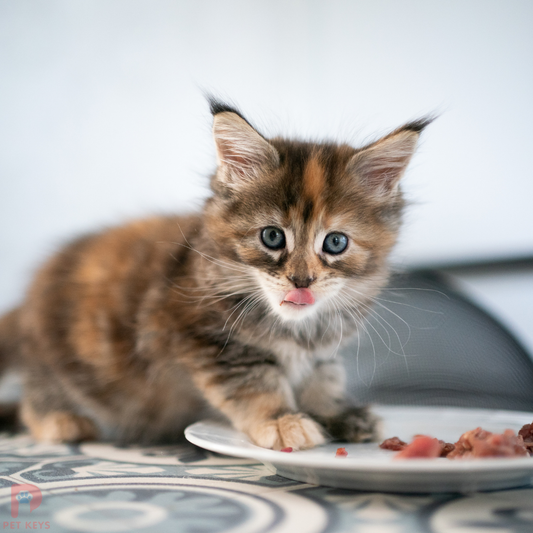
<point>102,114</point>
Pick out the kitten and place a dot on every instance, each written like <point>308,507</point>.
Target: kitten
<point>133,333</point>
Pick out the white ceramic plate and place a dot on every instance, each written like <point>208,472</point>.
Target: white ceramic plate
<point>367,467</point>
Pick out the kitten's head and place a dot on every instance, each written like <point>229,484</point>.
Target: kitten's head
<point>312,223</point>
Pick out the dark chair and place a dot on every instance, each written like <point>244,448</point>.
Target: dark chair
<point>426,344</point>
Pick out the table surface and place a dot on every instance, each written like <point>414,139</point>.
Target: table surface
<point>182,488</point>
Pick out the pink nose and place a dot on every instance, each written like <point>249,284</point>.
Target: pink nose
<point>300,297</point>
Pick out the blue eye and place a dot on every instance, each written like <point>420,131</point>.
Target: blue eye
<point>273,238</point>
<point>335,243</point>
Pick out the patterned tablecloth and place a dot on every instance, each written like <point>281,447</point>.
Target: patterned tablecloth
<point>102,488</point>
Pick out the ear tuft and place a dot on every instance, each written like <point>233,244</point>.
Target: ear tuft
<point>417,125</point>
<point>218,106</point>
<point>380,165</point>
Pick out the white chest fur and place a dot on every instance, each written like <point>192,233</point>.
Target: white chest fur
<point>299,363</point>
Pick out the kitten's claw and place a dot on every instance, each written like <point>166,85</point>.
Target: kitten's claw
<point>296,431</point>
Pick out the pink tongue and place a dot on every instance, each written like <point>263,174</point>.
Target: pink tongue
<point>300,297</point>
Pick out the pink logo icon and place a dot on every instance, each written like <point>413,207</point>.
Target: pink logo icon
<point>24,493</point>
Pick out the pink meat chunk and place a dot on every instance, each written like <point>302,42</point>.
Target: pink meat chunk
<point>421,447</point>
<point>394,444</point>
<point>481,443</point>
<point>527,434</point>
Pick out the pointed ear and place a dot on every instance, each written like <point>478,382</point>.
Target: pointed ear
<point>380,166</point>
<point>242,153</point>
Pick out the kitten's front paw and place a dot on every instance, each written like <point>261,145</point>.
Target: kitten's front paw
<point>58,427</point>
<point>354,424</point>
<point>296,431</point>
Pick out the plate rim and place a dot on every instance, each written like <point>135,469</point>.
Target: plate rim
<point>378,465</point>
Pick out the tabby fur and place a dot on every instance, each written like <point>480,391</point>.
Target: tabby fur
<point>132,333</point>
